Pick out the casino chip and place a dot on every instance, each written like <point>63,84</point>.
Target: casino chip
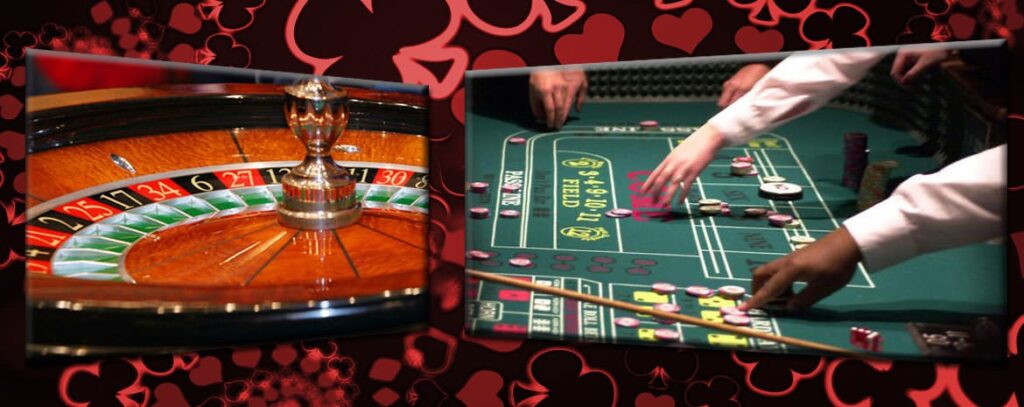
<point>478,186</point>
<point>510,188</point>
<point>619,213</point>
<point>667,307</point>
<point>666,334</point>
<point>710,210</point>
<point>520,262</point>
<point>517,140</point>
<point>755,212</point>
<point>627,322</point>
<point>709,202</point>
<point>726,211</point>
<point>479,212</point>
<point>799,246</point>
<point>780,219</point>
<point>774,178</point>
<point>649,124</point>
<point>800,239</point>
<point>781,191</point>
<point>664,288</point>
<point>736,319</point>
<point>744,159</point>
<point>731,292</point>
<point>699,291</point>
<point>479,255</point>
<point>740,168</point>
<point>731,311</point>
<point>509,213</point>
<point>793,224</point>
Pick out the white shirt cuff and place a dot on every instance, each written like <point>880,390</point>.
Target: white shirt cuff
<point>882,233</point>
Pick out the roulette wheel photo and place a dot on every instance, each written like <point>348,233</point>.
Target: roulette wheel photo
<point>174,216</point>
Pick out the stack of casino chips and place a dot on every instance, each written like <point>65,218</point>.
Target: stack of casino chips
<point>741,168</point>
<point>711,206</point>
<point>855,151</point>
<point>478,187</point>
<point>874,185</point>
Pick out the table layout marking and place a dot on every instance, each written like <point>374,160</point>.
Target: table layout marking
<point>714,229</point>
<point>611,175</point>
<point>598,251</point>
<point>501,181</point>
<point>693,224</point>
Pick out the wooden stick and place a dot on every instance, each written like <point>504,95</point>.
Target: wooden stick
<point>667,315</point>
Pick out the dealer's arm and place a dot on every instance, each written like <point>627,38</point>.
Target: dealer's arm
<point>961,204</point>
<point>796,86</point>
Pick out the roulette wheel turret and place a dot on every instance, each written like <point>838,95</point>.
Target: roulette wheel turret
<point>180,217</point>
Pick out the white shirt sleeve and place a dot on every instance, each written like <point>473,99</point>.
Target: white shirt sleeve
<point>963,203</point>
<point>796,86</point>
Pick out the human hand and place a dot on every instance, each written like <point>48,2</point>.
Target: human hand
<point>826,266</point>
<point>741,82</point>
<point>683,165</point>
<point>553,92</point>
<point>910,63</point>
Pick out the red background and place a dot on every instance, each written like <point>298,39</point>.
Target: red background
<point>433,42</point>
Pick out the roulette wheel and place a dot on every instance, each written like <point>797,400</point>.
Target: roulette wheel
<point>180,216</point>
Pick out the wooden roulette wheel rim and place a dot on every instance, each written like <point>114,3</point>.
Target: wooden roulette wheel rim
<point>218,149</point>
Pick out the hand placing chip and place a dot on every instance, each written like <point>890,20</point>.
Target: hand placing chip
<point>826,265</point>
<point>678,170</point>
<point>553,93</point>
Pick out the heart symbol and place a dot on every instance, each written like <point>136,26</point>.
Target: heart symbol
<point>284,355</point>
<point>182,53</point>
<point>14,144</point>
<point>650,400</point>
<point>169,395</point>
<point>246,357</point>
<point>750,40</point>
<point>503,345</point>
<point>207,372</point>
<point>385,369</point>
<point>101,12</point>
<point>121,26</point>
<point>184,18</point>
<point>482,389</point>
<point>600,41</point>
<point>683,32</point>
<point>498,58</point>
<point>962,25</point>
<point>10,107</point>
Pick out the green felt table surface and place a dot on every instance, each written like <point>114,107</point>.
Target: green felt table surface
<point>570,177</point>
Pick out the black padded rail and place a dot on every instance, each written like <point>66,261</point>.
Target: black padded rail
<point>125,331</point>
<point>138,117</point>
<point>948,121</point>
